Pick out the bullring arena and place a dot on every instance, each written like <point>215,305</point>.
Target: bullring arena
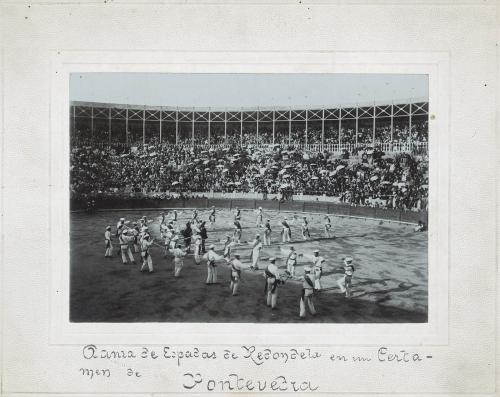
<point>370,181</point>
<point>385,288</point>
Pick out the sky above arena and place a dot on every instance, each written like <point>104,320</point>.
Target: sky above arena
<point>246,90</point>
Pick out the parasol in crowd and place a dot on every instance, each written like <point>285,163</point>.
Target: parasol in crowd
<point>339,167</point>
<point>175,183</point>
<point>374,178</point>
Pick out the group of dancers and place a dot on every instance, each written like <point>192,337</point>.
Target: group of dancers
<point>178,241</point>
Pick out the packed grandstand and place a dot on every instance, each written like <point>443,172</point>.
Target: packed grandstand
<point>383,166</point>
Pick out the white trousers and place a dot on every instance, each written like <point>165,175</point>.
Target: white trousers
<point>272,297</point>
<point>307,301</point>
<point>234,284</point>
<point>212,274</point>
<point>109,249</point>
<point>146,261</point>
<point>286,235</point>
<point>178,267</point>
<point>125,249</point>
<point>267,239</point>
<point>255,260</point>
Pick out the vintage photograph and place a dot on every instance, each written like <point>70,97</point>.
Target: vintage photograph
<point>249,198</point>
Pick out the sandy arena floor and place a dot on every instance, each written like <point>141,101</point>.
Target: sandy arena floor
<point>389,285</point>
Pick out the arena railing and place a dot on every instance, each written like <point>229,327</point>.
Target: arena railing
<point>388,147</point>
<point>307,204</point>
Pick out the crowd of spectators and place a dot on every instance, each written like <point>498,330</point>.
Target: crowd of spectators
<point>368,178</point>
<point>297,136</point>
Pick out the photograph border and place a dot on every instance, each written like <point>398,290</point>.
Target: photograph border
<point>435,64</point>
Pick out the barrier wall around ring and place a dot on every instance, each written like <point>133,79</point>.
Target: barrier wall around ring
<point>274,205</point>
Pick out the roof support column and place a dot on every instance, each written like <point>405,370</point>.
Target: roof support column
<point>177,126</point>
<point>209,117</point>
<point>144,126</point>
<point>274,123</point>
<point>192,128</point>
<point>323,126</point>
<point>160,125</point>
<point>109,125</point>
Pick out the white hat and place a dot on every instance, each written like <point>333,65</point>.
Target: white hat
<point>347,259</point>
<point>125,231</point>
<point>122,219</point>
<point>108,227</point>
<point>260,208</point>
<point>272,259</point>
<point>211,246</point>
<point>307,268</point>
<point>316,251</point>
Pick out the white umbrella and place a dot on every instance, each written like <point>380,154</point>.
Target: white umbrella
<point>339,167</point>
<point>374,178</point>
<point>175,183</point>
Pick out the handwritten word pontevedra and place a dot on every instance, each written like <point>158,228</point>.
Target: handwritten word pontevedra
<point>236,382</point>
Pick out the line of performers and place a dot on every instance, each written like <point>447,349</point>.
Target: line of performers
<point>138,237</point>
